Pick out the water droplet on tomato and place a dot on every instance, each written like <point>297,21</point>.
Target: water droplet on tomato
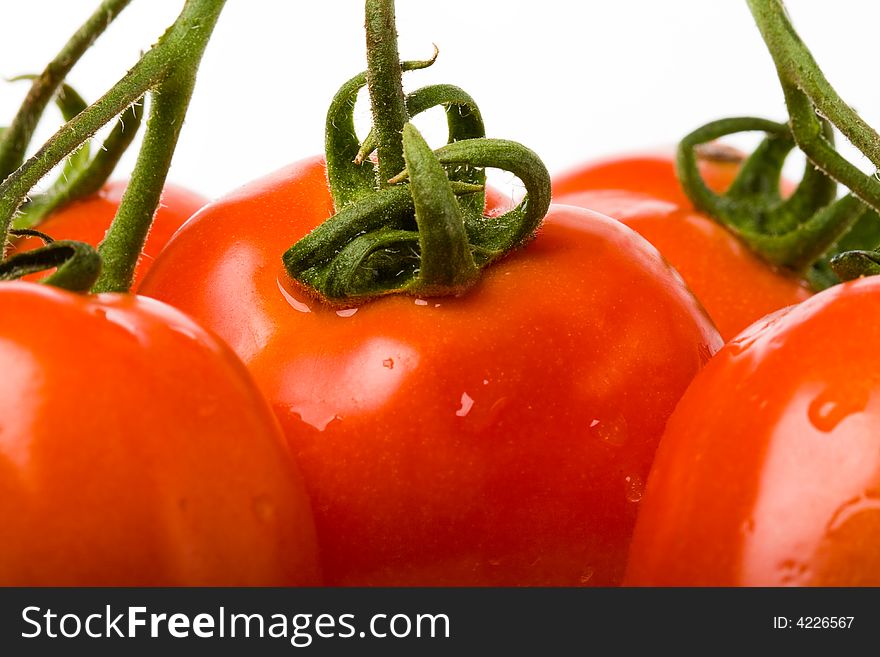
<point>635,488</point>
<point>833,406</point>
<point>467,403</point>
<point>296,304</point>
<point>869,503</point>
<point>612,430</point>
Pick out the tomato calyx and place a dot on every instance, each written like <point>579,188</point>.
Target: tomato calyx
<point>411,219</point>
<point>791,232</point>
<point>809,232</point>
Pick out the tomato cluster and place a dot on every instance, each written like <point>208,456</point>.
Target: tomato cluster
<point>627,395</point>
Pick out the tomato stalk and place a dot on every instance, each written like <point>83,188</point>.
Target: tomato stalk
<point>808,96</point>
<point>83,174</point>
<point>414,223</point>
<point>168,72</point>
<point>17,136</point>
<point>385,84</point>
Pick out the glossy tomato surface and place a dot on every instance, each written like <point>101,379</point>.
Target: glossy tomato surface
<point>735,286</point>
<point>769,472</point>
<point>136,450</point>
<point>501,437</point>
<point>651,173</point>
<point>88,219</point>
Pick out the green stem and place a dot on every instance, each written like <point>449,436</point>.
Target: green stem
<point>385,83</point>
<point>127,234</point>
<point>16,138</point>
<point>187,40</point>
<point>808,93</point>
<point>349,175</point>
<point>169,68</point>
<point>76,264</point>
<point>83,176</point>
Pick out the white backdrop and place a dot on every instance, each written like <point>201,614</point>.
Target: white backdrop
<point>572,80</point>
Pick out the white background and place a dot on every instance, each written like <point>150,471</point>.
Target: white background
<point>572,80</point>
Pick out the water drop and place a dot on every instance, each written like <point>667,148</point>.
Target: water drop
<point>868,503</point>
<point>612,430</point>
<point>833,406</point>
<point>467,403</point>
<point>634,488</point>
<point>295,303</point>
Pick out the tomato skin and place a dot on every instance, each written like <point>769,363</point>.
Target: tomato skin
<point>135,450</point>
<point>734,285</point>
<point>498,438</point>
<point>88,219</point>
<point>769,471</point>
<point>652,174</point>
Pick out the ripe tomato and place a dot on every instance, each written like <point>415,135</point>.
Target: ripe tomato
<point>500,437</point>
<point>87,220</point>
<point>652,174</point>
<point>769,472</point>
<point>135,450</point>
<point>734,285</point>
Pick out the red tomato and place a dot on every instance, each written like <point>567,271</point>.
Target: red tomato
<point>87,220</point>
<point>135,450</point>
<point>734,285</point>
<point>500,437</point>
<point>769,472</point>
<point>649,173</point>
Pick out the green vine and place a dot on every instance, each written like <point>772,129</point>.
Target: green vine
<point>167,71</point>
